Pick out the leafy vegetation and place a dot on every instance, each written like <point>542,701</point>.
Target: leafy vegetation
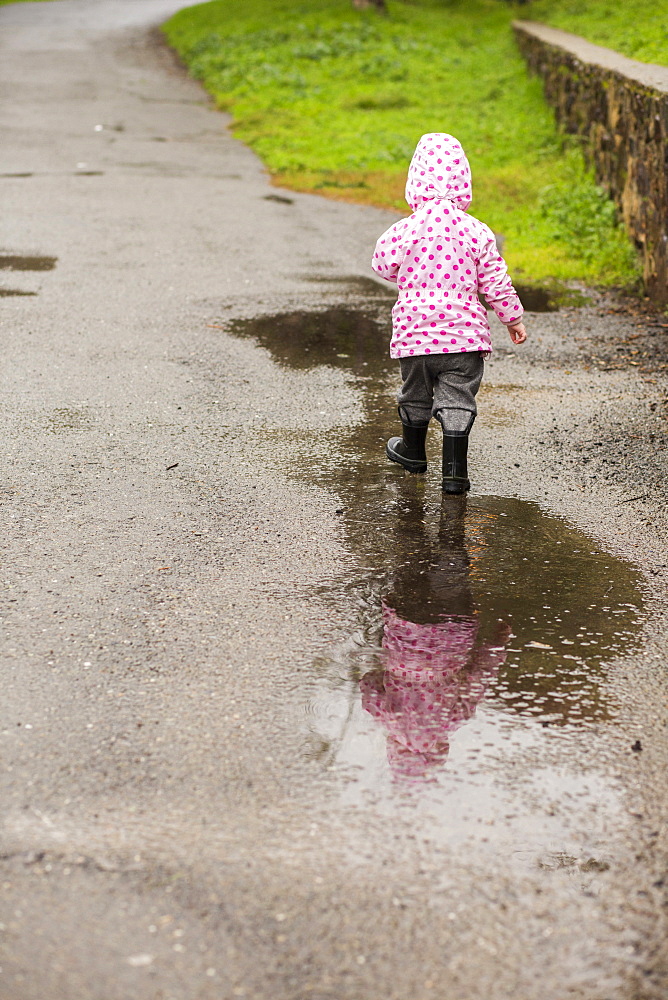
<point>636,28</point>
<point>334,100</point>
<point>581,217</point>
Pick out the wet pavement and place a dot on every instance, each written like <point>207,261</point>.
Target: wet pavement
<point>483,613</point>
<point>278,720</point>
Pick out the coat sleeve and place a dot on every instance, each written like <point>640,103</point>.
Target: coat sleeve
<point>389,254</point>
<point>495,285</point>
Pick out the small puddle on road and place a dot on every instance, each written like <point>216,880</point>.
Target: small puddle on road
<point>16,262</point>
<point>484,625</point>
<point>478,600</point>
<point>549,298</point>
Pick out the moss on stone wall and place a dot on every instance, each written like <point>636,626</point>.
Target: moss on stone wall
<point>623,123</point>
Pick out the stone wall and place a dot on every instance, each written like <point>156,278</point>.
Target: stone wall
<point>620,107</point>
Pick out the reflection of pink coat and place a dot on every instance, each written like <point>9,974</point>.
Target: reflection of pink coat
<point>440,258</point>
<point>434,677</point>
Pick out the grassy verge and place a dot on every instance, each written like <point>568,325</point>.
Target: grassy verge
<point>334,100</point>
<point>637,28</point>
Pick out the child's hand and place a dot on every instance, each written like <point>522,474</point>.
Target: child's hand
<point>517,333</point>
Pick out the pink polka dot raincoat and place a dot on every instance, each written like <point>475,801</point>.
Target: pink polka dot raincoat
<point>434,676</point>
<point>441,258</point>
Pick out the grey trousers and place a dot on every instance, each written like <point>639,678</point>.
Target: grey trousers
<point>442,386</point>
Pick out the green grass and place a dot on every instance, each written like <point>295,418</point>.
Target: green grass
<point>334,100</point>
<point>637,28</point>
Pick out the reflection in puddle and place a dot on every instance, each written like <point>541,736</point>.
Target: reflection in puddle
<point>486,598</point>
<point>484,625</point>
<point>6,293</point>
<point>433,669</point>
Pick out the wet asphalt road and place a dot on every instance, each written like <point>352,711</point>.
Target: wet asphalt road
<point>199,533</point>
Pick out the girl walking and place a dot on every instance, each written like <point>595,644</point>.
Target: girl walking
<point>441,258</point>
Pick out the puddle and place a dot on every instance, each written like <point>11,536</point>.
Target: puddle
<point>341,337</point>
<point>482,600</point>
<point>535,298</point>
<point>484,626</point>
<point>548,298</point>
<point>74,173</point>
<point>361,285</point>
<point>279,198</point>
<point>7,292</point>
<point>13,262</point>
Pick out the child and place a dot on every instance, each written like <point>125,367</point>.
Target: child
<point>441,258</point>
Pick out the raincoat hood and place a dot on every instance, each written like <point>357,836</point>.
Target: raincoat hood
<point>442,259</point>
<point>439,170</point>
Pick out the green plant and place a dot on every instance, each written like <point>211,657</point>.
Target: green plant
<point>582,217</point>
<point>636,28</point>
<point>335,99</point>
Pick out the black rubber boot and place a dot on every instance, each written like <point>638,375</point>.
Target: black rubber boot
<point>455,473</point>
<point>409,450</point>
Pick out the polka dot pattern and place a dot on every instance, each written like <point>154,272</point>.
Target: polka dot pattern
<point>439,169</point>
<point>433,678</point>
<point>441,258</point>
